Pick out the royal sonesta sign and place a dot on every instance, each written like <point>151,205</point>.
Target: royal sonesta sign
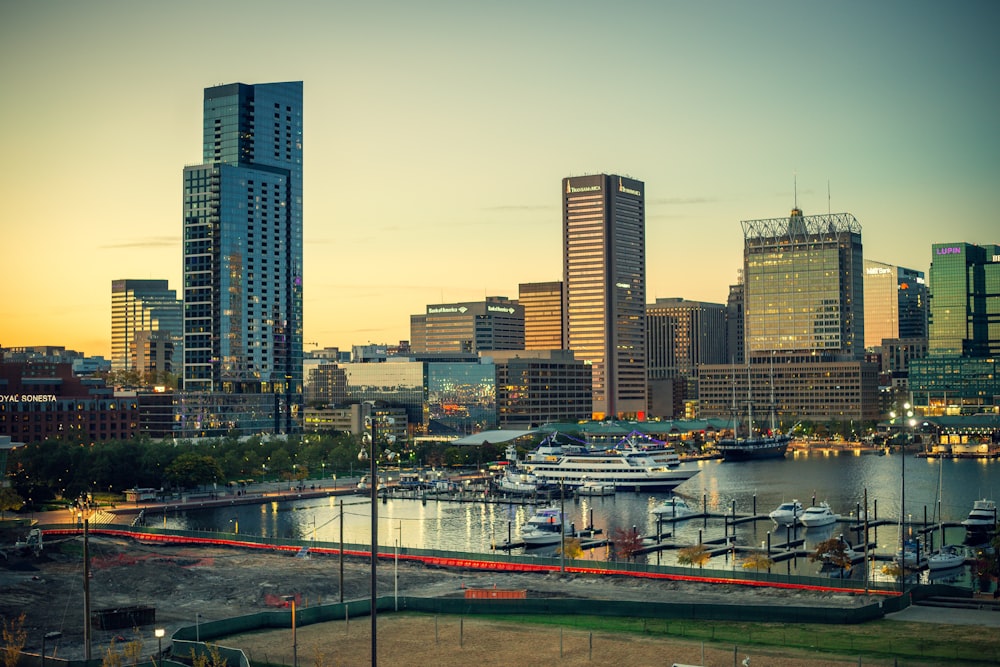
<point>27,398</point>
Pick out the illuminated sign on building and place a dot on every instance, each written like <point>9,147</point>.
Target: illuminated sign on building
<point>951,250</point>
<point>434,310</point>
<point>630,191</point>
<point>500,309</point>
<point>877,271</point>
<point>583,188</point>
<point>27,398</point>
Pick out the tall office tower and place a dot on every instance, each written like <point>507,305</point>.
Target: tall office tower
<point>243,248</point>
<point>141,306</point>
<point>543,315</point>
<point>964,300</point>
<point>735,322</point>
<point>494,324</point>
<point>961,373</point>
<point>604,277</point>
<point>895,303</point>
<point>804,286</point>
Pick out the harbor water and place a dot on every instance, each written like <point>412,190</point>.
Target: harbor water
<point>839,478</point>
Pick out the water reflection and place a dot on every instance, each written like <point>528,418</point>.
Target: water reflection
<point>753,487</point>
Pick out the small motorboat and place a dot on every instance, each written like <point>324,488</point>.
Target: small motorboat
<point>787,514</point>
<point>672,508</point>
<point>595,488</point>
<point>547,526</point>
<point>818,515</point>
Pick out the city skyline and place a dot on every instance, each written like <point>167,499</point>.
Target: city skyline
<point>439,135</point>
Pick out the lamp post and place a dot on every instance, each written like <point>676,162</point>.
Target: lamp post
<point>906,417</point>
<point>370,438</point>
<point>49,635</point>
<point>159,632</point>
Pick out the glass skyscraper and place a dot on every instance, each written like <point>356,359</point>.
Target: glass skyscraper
<point>804,289</point>
<point>964,300</point>
<point>604,276</point>
<point>243,248</point>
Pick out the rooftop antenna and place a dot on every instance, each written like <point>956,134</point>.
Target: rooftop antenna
<point>828,211</point>
<point>795,189</point>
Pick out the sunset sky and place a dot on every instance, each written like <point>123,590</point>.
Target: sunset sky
<point>436,135</point>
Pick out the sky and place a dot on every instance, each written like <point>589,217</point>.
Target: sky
<point>436,135</point>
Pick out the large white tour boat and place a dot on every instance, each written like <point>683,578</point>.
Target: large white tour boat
<point>627,466</point>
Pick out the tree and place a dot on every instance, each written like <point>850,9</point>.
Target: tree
<point>572,549</point>
<point>757,561</point>
<point>627,542</point>
<point>9,500</point>
<point>190,470</point>
<point>14,637</point>
<point>694,555</point>
<point>832,552</point>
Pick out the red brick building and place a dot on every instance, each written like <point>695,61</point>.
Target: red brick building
<point>41,400</point>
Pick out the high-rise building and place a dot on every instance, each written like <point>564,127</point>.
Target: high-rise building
<point>959,374</point>
<point>543,315</point>
<point>604,277</point>
<point>804,286</point>
<point>243,253</point>
<point>494,324</point>
<point>142,306</point>
<point>964,300</point>
<point>803,295</point>
<point>895,303</point>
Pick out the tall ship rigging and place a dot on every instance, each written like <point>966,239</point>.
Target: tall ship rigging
<point>767,444</point>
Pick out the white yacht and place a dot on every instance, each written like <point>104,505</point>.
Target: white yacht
<point>547,526</point>
<point>518,482</point>
<point>627,466</point>
<point>818,515</point>
<point>787,514</point>
<point>595,488</point>
<point>672,508</point>
<point>983,515</point>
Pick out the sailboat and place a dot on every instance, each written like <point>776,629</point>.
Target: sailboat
<point>947,556</point>
<point>761,446</point>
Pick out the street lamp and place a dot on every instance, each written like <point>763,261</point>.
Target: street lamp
<point>159,632</point>
<point>370,438</point>
<point>49,635</point>
<point>906,417</point>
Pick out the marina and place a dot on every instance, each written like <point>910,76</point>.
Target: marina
<point>730,504</point>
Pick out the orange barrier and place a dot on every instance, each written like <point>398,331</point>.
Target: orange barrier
<point>494,594</point>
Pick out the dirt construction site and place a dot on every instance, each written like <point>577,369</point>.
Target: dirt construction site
<point>187,586</point>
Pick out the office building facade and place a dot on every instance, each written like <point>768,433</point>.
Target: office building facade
<point>735,321</point>
<point>895,303</point>
<point>543,315</point>
<point>959,374</point>
<point>142,306</point>
<point>494,324</point>
<point>804,286</point>
<point>682,336</point>
<point>604,277</point>
<point>803,295</point>
<point>243,273</point>
<point>536,387</point>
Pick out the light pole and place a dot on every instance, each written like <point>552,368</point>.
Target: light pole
<point>197,627</point>
<point>159,632</point>
<point>906,417</point>
<point>49,635</point>
<point>370,439</point>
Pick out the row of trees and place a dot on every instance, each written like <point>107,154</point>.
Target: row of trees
<point>61,469</point>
